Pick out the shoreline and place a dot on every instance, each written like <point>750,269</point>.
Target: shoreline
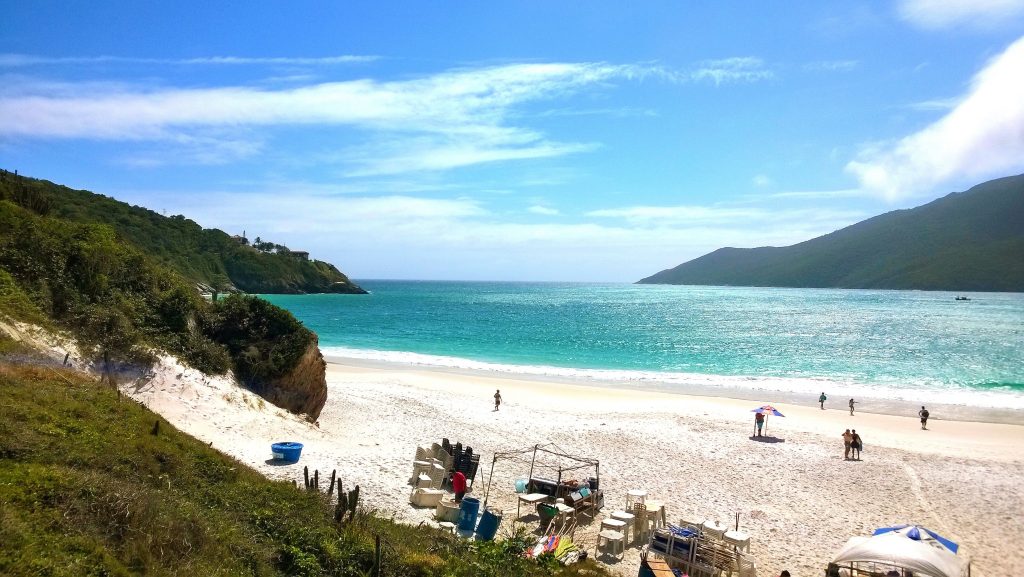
<point>867,405</point>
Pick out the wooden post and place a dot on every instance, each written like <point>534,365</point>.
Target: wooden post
<point>376,556</point>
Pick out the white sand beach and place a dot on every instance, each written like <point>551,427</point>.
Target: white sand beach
<point>797,497</point>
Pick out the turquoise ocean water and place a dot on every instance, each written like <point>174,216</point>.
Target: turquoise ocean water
<point>897,345</point>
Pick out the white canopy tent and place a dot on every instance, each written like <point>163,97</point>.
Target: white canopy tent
<point>557,462</point>
<point>862,555</point>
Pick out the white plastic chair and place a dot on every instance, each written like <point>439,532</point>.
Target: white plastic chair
<point>615,539</point>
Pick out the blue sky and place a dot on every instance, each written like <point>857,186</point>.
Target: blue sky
<point>589,141</point>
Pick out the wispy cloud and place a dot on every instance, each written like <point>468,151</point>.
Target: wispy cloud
<point>816,194</point>
<point>736,69</point>
<point>190,150</point>
<point>648,216</point>
<point>25,60</point>
<point>402,236</point>
<point>832,65</point>
<point>982,136</point>
<point>451,119</point>
<point>543,210</point>
<point>938,14</point>
<point>761,180</point>
<point>623,112</point>
<point>936,104</point>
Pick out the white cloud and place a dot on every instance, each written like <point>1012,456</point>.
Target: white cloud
<point>447,120</point>
<point>761,180</point>
<point>404,236</point>
<point>983,136</point>
<point>936,14</point>
<point>544,210</point>
<point>818,194</point>
<point>832,65</point>
<point>24,60</point>
<point>736,69</point>
<point>659,216</point>
<point>941,104</point>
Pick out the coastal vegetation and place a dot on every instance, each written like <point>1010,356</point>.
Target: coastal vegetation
<point>965,241</point>
<point>120,305</point>
<point>92,483</point>
<point>208,257</point>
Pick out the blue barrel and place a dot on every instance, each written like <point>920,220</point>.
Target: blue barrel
<point>287,451</point>
<point>467,514</point>
<point>488,526</point>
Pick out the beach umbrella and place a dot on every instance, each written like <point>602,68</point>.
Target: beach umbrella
<point>919,533</point>
<point>767,410</point>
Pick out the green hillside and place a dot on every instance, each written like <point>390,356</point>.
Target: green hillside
<point>965,241</point>
<point>207,256</point>
<point>119,304</point>
<point>89,487</point>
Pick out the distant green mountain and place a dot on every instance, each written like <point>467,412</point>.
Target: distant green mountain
<point>209,257</point>
<point>964,241</point>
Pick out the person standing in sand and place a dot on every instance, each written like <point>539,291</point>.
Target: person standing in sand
<point>497,399</point>
<point>851,406</point>
<point>758,423</point>
<point>459,486</point>
<point>855,445</point>
<point>847,442</point>
<point>822,399</point>
<point>923,413</point>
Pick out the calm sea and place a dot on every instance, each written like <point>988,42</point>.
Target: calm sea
<point>920,347</point>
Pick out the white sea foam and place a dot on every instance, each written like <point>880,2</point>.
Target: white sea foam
<point>923,393</point>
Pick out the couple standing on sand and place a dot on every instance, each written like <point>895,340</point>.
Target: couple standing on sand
<point>852,445</point>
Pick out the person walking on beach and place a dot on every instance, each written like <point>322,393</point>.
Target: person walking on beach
<point>851,406</point>
<point>758,423</point>
<point>847,442</point>
<point>855,445</point>
<point>497,399</point>
<point>822,399</point>
<point>923,413</point>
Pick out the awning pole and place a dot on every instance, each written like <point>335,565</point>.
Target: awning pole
<point>487,492</point>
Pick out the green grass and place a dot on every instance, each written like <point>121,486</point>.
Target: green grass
<point>87,489</point>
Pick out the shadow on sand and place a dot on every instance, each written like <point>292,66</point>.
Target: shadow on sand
<point>278,462</point>
<point>766,439</point>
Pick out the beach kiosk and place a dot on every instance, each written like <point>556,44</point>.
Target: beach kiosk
<point>550,457</point>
